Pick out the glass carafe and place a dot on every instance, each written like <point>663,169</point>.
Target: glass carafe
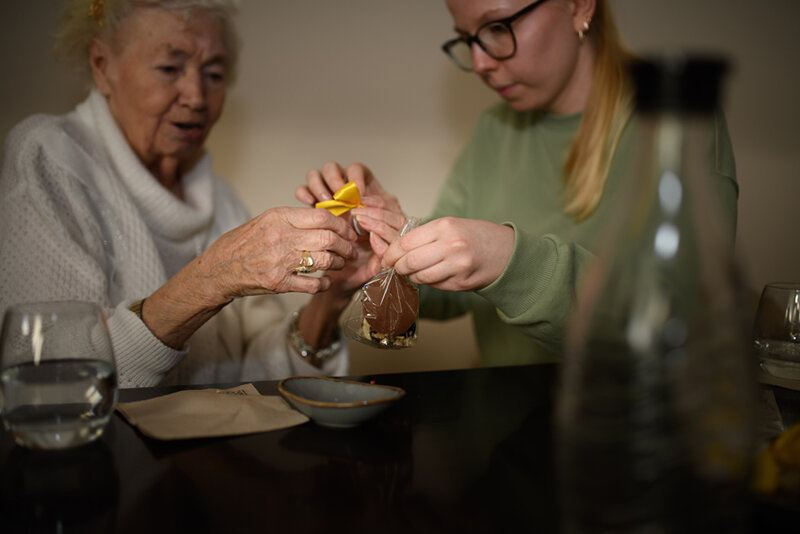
<point>654,417</point>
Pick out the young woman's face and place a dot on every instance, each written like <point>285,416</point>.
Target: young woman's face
<point>164,78</point>
<point>542,74</point>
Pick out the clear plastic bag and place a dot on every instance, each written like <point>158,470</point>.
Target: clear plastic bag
<point>384,312</point>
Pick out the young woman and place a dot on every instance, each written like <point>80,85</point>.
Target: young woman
<point>520,214</point>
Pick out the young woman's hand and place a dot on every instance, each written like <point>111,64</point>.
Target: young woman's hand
<point>452,254</point>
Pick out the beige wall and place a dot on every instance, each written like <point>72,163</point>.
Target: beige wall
<point>364,80</point>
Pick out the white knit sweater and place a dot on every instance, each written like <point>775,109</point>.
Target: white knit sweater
<point>82,219</point>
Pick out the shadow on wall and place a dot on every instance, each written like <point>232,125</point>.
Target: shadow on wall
<point>464,97</point>
<point>228,139</point>
<point>33,81</point>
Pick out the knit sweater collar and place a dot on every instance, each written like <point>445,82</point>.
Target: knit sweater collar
<point>164,213</point>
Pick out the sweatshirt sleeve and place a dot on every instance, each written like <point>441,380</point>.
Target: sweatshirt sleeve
<point>536,290</point>
<point>142,359</point>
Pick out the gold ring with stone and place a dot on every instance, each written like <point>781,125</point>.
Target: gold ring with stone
<point>306,264</point>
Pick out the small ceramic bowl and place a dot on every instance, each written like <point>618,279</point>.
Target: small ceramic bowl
<point>336,402</point>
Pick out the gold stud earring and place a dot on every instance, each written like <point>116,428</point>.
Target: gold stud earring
<point>582,33</point>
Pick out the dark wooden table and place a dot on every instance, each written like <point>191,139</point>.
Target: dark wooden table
<point>464,451</point>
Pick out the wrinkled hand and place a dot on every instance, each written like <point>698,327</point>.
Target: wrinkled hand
<point>382,215</point>
<point>453,254</point>
<point>260,256</point>
<point>256,258</point>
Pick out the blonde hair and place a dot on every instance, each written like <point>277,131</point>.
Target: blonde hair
<point>608,108</point>
<point>84,20</point>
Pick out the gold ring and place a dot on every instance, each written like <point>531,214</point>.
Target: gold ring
<point>306,264</point>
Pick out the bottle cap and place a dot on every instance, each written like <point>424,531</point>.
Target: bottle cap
<point>681,83</point>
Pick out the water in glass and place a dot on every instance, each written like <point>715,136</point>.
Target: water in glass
<point>57,374</point>
<point>58,404</point>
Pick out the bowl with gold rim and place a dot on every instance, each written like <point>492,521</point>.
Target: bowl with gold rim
<point>338,402</point>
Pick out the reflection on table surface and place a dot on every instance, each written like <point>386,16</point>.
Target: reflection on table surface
<point>464,451</point>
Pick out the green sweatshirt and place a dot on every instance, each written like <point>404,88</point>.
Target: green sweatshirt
<point>510,173</point>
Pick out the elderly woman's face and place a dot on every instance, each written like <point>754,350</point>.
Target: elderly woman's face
<point>164,78</point>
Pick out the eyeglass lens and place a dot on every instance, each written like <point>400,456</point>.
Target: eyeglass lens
<point>495,39</point>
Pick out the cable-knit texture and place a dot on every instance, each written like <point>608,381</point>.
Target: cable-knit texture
<point>82,219</point>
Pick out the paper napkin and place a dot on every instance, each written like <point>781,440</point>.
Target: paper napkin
<point>202,413</point>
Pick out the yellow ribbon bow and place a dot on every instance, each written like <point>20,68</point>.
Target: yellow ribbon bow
<point>345,199</point>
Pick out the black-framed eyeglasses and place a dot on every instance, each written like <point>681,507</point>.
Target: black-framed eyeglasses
<point>496,38</point>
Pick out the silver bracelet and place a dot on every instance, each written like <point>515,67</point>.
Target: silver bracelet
<point>315,357</point>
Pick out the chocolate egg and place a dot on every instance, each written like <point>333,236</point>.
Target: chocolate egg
<point>390,303</point>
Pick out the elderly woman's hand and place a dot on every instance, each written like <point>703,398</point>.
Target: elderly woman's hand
<point>261,255</point>
<point>453,254</point>
<point>256,258</point>
<point>380,213</point>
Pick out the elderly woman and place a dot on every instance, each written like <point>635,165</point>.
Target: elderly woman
<point>116,203</point>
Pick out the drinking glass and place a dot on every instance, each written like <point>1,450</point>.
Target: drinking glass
<point>776,333</point>
<point>57,374</point>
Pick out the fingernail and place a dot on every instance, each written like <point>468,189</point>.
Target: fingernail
<point>356,226</point>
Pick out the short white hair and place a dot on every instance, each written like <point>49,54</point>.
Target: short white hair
<point>84,20</point>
